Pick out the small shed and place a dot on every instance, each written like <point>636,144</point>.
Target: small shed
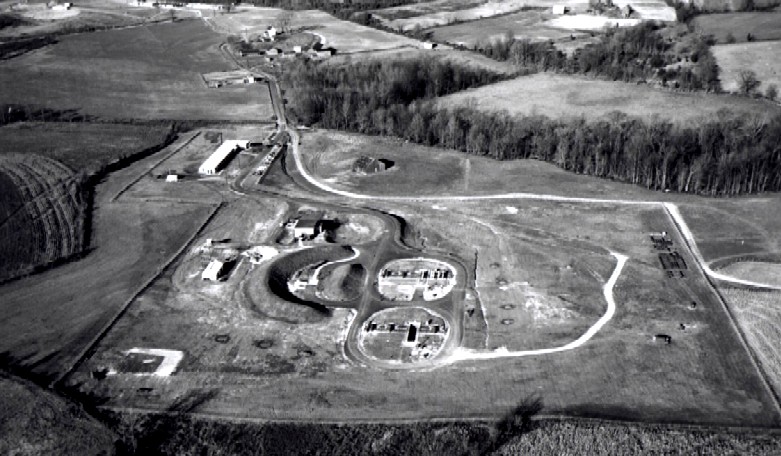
<point>560,9</point>
<point>172,178</point>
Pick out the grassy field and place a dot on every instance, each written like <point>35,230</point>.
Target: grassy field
<point>44,209</point>
<point>758,314</point>
<point>759,57</point>
<point>574,96</point>
<point>151,72</point>
<point>464,58</point>
<point>522,25</point>
<point>80,146</point>
<point>769,273</point>
<point>764,25</point>
<point>51,316</point>
<point>347,37</point>
<point>428,171</point>
<point>95,14</point>
<point>727,229</point>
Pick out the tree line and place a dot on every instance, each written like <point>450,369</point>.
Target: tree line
<point>631,54</point>
<point>728,154</point>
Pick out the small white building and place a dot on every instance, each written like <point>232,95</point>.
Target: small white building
<point>62,6</point>
<point>428,45</point>
<point>172,178</point>
<point>220,157</point>
<point>560,9</point>
<point>270,33</point>
<point>214,271</point>
<point>297,49</point>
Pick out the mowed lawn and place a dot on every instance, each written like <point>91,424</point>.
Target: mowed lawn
<point>151,72</point>
<point>763,58</point>
<point>575,96</point>
<point>764,25</point>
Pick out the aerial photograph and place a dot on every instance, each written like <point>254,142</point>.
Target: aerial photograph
<point>390,227</point>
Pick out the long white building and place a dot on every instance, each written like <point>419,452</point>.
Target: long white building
<point>220,157</point>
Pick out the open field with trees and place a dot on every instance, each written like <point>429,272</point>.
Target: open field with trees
<point>758,312</point>
<point>761,58</point>
<point>740,27</point>
<point>561,96</point>
<point>521,25</point>
<point>149,72</point>
<point>657,154</point>
<point>421,170</point>
<point>346,37</point>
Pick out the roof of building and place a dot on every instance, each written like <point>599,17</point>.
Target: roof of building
<point>225,149</point>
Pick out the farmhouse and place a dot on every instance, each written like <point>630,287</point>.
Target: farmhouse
<point>214,271</point>
<point>222,156</point>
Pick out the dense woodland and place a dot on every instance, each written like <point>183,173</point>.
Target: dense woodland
<point>631,54</point>
<point>724,155</point>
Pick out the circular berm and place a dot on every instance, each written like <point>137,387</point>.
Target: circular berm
<point>415,279</point>
<point>403,335</point>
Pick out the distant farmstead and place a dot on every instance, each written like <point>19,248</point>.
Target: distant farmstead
<point>222,156</point>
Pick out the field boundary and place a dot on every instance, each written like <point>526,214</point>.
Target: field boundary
<point>154,165</point>
<point>730,316</point>
<point>92,345</point>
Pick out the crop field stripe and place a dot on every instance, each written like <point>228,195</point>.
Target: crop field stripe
<point>683,230</point>
<point>153,166</point>
<point>91,347</point>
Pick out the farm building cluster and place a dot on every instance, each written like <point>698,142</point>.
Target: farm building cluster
<point>306,226</point>
<point>408,279</point>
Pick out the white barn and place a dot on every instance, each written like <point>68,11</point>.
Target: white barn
<point>220,157</point>
<point>213,271</point>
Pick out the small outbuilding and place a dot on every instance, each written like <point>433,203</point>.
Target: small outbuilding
<point>308,225</point>
<point>560,9</point>
<point>215,271</point>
